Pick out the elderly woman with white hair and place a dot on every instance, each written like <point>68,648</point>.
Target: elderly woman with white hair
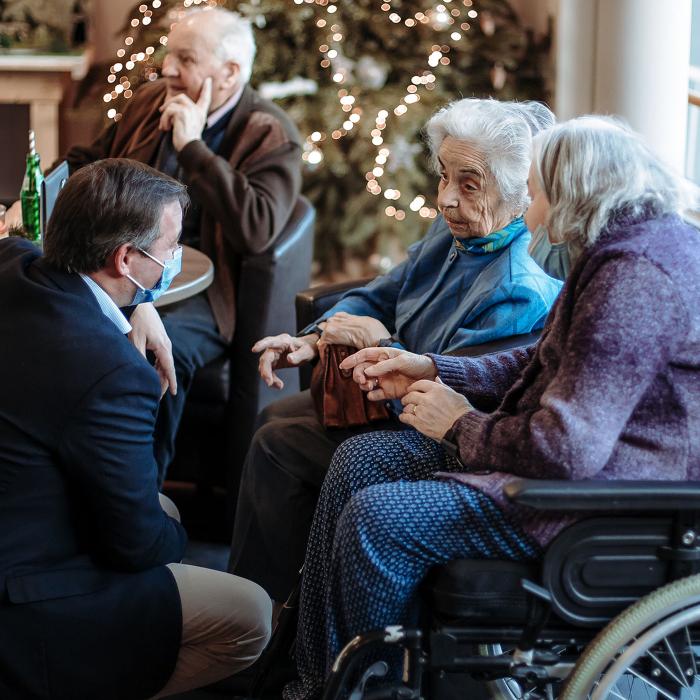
<point>469,281</point>
<point>611,391</point>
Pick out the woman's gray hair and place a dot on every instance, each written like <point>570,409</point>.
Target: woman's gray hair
<point>233,36</point>
<point>593,169</point>
<point>501,131</point>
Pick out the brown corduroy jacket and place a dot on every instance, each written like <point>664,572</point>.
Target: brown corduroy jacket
<point>246,192</point>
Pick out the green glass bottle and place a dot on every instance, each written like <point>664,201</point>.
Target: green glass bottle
<point>30,195</point>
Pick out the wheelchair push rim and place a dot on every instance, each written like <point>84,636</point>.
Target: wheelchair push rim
<point>638,636</point>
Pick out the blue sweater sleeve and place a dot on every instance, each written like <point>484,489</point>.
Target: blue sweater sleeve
<point>510,310</point>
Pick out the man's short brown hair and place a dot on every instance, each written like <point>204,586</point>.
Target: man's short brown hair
<point>105,205</point>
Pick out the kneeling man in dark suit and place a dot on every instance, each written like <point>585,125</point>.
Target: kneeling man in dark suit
<point>92,601</point>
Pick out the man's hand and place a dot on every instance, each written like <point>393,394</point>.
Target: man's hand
<point>280,351</point>
<point>187,119</point>
<point>387,373</point>
<point>432,408</point>
<point>148,333</point>
<point>359,331</point>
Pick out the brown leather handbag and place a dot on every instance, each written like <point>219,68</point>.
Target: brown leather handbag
<point>338,400</point>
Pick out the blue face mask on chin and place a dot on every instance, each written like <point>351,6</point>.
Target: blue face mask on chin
<point>171,269</point>
<point>553,258</point>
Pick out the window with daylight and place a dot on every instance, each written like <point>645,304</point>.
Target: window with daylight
<point>692,159</point>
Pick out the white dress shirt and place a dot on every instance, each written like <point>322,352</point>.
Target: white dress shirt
<point>109,308</point>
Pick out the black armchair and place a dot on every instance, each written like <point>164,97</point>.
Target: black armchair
<point>228,393</point>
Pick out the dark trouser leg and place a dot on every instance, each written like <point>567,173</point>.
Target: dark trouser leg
<point>381,523</point>
<point>196,341</point>
<point>283,472</point>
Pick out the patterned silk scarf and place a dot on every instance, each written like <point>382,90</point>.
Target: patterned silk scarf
<point>493,242</point>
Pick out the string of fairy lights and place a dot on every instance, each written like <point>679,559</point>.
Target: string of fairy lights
<point>450,17</point>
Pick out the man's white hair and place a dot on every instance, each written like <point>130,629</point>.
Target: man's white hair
<point>501,131</point>
<point>232,36</point>
<point>594,169</point>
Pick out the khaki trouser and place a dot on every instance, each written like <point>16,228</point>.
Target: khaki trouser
<point>225,623</point>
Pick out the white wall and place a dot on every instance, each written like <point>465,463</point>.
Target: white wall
<point>630,58</point>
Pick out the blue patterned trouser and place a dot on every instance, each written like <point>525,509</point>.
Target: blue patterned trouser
<point>381,523</point>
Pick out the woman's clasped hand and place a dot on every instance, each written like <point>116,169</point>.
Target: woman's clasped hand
<point>429,405</point>
<point>284,350</point>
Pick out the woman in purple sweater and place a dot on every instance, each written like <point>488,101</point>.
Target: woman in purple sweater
<point>611,391</point>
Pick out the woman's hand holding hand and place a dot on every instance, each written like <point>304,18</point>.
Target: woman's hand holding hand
<point>280,351</point>
<point>432,408</point>
<point>387,373</point>
<point>358,331</point>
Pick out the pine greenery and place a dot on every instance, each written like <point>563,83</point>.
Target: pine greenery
<point>496,57</point>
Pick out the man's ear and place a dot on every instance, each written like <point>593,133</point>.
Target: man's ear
<point>231,75</point>
<point>122,258</point>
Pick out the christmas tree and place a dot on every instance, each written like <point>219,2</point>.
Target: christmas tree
<point>360,78</point>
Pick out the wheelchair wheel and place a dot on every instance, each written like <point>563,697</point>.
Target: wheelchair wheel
<point>508,688</point>
<point>650,651</point>
<point>501,688</point>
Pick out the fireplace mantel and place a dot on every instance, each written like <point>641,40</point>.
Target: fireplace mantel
<point>40,81</point>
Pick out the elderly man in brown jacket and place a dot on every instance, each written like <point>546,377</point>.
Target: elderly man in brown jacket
<point>239,156</point>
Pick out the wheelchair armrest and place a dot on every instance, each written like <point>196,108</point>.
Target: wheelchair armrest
<point>499,345</point>
<point>315,301</point>
<point>610,496</point>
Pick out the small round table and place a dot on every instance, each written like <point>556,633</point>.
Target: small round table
<point>196,275</point>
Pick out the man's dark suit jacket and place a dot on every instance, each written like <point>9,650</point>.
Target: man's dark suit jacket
<point>87,607</point>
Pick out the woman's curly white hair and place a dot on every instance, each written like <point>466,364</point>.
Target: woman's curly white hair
<point>501,131</point>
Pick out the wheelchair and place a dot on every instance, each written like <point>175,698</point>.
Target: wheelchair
<point>611,611</point>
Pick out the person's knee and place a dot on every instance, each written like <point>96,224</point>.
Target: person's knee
<point>267,415</point>
<point>367,513</point>
<point>292,406</point>
<point>184,362</point>
<point>267,436</point>
<point>273,452</point>
<point>351,468</point>
<point>252,624</point>
<point>169,507</point>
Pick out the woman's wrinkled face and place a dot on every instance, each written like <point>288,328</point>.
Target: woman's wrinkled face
<point>468,197</point>
<point>537,213</point>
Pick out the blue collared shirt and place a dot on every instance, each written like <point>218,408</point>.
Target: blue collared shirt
<point>109,308</point>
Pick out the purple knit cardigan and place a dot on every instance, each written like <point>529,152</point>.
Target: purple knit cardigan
<point>611,390</point>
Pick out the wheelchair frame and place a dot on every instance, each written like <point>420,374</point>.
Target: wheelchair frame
<point>651,527</point>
